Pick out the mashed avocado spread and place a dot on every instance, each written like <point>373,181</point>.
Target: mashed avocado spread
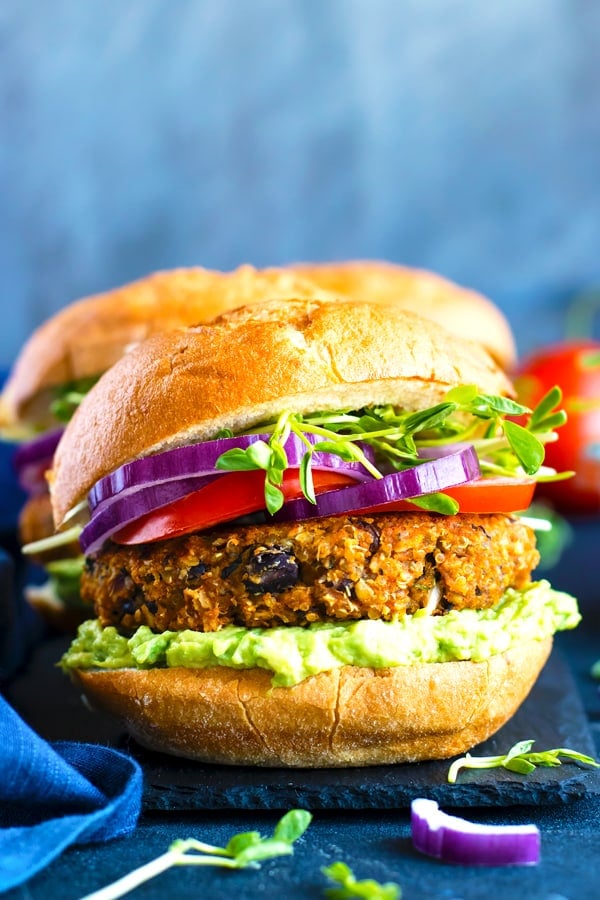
<point>294,653</point>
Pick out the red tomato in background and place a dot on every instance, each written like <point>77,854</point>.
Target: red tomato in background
<point>575,367</point>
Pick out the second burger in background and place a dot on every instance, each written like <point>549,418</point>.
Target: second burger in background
<point>458,309</point>
<point>61,361</point>
<point>302,541</point>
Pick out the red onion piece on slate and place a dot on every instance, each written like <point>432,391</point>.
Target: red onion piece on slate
<point>196,460</point>
<point>456,840</point>
<point>426,478</point>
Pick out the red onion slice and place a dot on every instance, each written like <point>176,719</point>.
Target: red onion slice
<point>449,470</point>
<point>456,840</point>
<point>33,458</point>
<point>125,509</point>
<point>197,460</point>
<point>113,513</point>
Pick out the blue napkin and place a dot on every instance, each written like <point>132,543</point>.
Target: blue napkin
<point>55,795</point>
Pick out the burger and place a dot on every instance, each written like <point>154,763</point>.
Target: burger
<point>61,361</point>
<point>463,312</point>
<point>302,539</point>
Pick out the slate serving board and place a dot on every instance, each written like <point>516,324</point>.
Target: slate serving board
<point>553,715</point>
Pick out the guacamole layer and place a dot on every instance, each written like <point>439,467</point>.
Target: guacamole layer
<point>293,653</point>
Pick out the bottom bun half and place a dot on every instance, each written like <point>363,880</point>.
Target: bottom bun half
<point>345,717</point>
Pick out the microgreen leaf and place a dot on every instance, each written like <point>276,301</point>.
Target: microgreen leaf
<point>349,887</point>
<point>463,394</point>
<point>527,448</point>
<point>520,747</point>
<point>278,455</point>
<point>438,502</point>
<point>429,418</point>
<point>273,497</point>
<point>292,826</point>
<point>519,759</point>
<point>241,842</point>
<point>306,479</point>
<point>260,454</point>
<point>492,405</point>
<point>266,849</point>
<point>236,460</point>
<point>519,765</point>
<point>547,405</point>
<point>550,423</point>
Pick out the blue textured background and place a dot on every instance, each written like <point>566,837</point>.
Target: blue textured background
<point>457,135</point>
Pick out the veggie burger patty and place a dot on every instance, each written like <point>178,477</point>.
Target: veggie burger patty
<point>331,569</point>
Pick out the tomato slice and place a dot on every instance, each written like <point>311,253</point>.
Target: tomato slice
<point>235,494</point>
<point>486,495</point>
<point>240,493</point>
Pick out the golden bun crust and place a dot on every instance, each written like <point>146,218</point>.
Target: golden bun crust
<point>347,717</point>
<point>303,355</point>
<point>461,311</point>
<point>88,336</point>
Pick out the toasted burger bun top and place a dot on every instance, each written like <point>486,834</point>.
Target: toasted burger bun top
<point>461,311</point>
<point>88,336</point>
<point>304,356</point>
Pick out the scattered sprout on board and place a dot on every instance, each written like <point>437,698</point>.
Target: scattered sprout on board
<point>244,851</point>
<point>520,758</point>
<point>348,887</point>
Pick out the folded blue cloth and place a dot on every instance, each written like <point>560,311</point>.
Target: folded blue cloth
<point>55,795</point>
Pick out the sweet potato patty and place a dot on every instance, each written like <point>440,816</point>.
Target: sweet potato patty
<point>377,567</point>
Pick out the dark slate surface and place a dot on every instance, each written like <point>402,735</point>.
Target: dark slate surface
<point>552,715</point>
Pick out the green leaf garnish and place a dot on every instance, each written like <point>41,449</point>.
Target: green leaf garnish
<point>306,479</point>
<point>487,405</point>
<point>237,460</point>
<point>520,759</point>
<point>439,503</point>
<point>68,396</point>
<point>260,454</point>
<point>528,449</point>
<point>245,850</point>
<point>349,887</point>
<point>400,440</point>
<point>273,497</point>
<point>462,394</point>
<point>545,407</point>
